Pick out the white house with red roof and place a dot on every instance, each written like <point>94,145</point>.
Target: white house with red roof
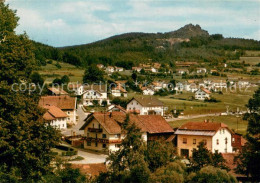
<point>216,136</point>
<point>94,92</point>
<point>202,94</point>
<point>56,117</point>
<point>64,102</point>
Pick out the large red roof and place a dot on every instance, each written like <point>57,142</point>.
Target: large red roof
<point>62,102</point>
<point>147,123</point>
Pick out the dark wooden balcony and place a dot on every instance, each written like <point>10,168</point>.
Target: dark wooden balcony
<point>100,140</point>
<point>97,130</point>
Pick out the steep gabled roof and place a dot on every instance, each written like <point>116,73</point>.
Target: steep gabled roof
<point>53,113</point>
<point>201,128</point>
<point>147,101</point>
<point>111,122</point>
<point>62,102</point>
<point>58,91</point>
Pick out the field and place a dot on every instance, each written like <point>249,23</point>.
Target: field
<point>232,121</point>
<point>233,100</point>
<point>50,72</point>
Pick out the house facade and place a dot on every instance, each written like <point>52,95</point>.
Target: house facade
<point>147,91</point>
<point>145,106</point>
<point>103,131</point>
<point>202,94</point>
<point>217,137</point>
<point>64,102</point>
<point>56,117</point>
<point>94,93</point>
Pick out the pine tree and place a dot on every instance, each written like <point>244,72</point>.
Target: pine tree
<point>25,138</point>
<point>249,159</point>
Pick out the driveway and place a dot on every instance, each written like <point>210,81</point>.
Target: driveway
<point>82,115</point>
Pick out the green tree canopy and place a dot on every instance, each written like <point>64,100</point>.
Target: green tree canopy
<point>93,75</point>
<point>25,138</point>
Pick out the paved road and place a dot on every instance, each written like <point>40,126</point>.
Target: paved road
<point>82,115</point>
<point>192,116</point>
<point>90,157</point>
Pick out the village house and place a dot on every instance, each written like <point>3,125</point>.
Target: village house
<point>94,93</point>
<point>118,108</point>
<point>56,117</point>
<point>100,66</point>
<point>56,91</point>
<point>78,89</point>
<point>182,71</point>
<point>103,131</point>
<point>119,69</point>
<point>145,106</point>
<point>147,91</point>
<point>157,65</point>
<point>64,102</point>
<point>110,69</point>
<point>216,137</point>
<point>202,94</point>
<point>137,69</point>
<point>201,70</point>
<point>118,91</point>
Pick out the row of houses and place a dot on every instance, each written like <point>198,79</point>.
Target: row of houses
<point>103,132</point>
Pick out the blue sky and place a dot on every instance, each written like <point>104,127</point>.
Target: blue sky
<point>72,22</point>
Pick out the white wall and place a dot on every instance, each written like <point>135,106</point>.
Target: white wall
<point>60,123</point>
<point>221,136</point>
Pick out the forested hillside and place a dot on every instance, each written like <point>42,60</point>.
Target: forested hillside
<point>189,43</point>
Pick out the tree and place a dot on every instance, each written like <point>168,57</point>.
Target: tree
<point>211,174</point>
<point>36,78</point>
<point>134,76</point>
<point>25,138</point>
<point>93,74</point>
<point>128,163</point>
<point>249,158</point>
<point>173,172</point>
<point>202,157</point>
<point>65,79</point>
<point>159,153</point>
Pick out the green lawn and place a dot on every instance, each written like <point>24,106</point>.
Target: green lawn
<point>50,72</point>
<point>231,121</point>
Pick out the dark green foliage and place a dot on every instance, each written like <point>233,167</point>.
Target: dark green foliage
<point>119,101</point>
<point>159,153</point>
<point>211,174</point>
<point>202,157</point>
<point>65,79</point>
<point>173,172</point>
<point>211,100</point>
<point>36,78</point>
<point>25,138</point>
<point>249,159</point>
<point>255,72</point>
<point>93,75</point>
<point>128,163</point>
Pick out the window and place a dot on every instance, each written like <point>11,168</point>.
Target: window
<point>104,145</point>
<point>96,144</point>
<point>194,141</point>
<point>225,150</point>
<point>216,151</point>
<point>88,143</point>
<point>117,136</point>
<point>233,139</point>
<point>217,142</point>
<point>223,131</point>
<point>184,140</point>
<point>226,140</point>
<point>96,135</point>
<point>68,112</point>
<point>104,136</point>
